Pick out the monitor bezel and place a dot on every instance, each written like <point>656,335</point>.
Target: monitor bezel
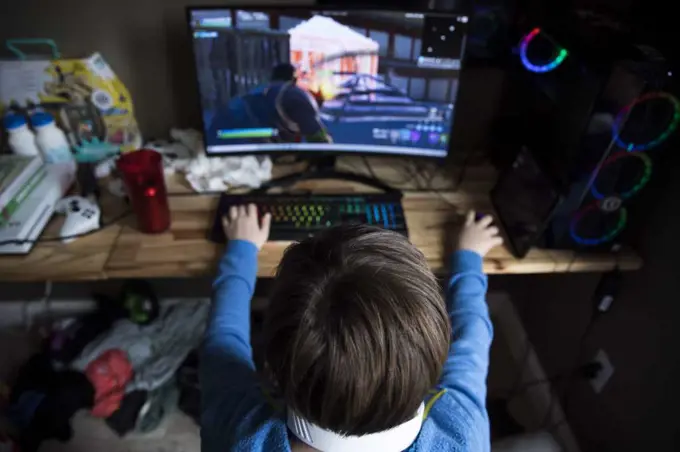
<point>321,152</point>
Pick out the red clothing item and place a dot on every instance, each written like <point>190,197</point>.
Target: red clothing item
<point>109,374</point>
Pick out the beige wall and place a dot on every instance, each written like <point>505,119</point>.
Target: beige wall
<point>145,41</point>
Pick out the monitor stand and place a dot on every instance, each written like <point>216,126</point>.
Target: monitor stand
<point>323,168</point>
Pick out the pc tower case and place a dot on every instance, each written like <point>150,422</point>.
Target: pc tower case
<point>595,128</point>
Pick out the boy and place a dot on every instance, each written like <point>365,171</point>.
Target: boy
<point>365,351</point>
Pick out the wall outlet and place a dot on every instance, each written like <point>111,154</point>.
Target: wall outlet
<point>598,383</point>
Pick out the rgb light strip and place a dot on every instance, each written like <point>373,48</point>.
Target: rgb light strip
<point>623,219</point>
<point>638,185</point>
<point>633,147</point>
<point>524,45</point>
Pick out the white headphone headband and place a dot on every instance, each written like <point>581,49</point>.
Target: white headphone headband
<point>395,439</point>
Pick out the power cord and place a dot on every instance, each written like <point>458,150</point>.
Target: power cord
<point>586,371</point>
<point>565,392</point>
<point>605,293</point>
<point>44,301</point>
<point>463,170</point>
<point>429,178</point>
<point>372,173</point>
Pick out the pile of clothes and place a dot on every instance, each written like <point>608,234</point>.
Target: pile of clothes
<point>119,362</point>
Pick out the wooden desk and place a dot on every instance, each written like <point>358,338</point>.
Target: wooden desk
<point>122,252</point>
<point>83,259</point>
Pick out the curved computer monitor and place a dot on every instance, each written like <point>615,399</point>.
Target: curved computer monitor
<point>304,80</point>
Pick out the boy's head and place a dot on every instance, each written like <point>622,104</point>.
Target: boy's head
<point>357,330</point>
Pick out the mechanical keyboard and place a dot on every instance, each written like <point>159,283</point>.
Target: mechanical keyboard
<point>296,217</point>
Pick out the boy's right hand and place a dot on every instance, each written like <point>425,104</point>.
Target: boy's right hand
<point>243,224</point>
<point>480,235</point>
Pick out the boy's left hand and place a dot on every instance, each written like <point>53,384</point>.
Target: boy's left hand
<point>242,223</point>
<point>479,234</point>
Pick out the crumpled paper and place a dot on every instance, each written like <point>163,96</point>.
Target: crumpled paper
<point>186,155</point>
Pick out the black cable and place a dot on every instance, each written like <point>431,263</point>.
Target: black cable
<point>585,371</point>
<point>564,397</point>
<point>412,175</point>
<point>443,198</point>
<point>415,173</point>
<point>463,170</point>
<point>554,425</point>
<point>286,160</point>
<point>572,261</point>
<point>368,166</point>
<point>427,174</point>
<point>373,174</point>
<point>524,387</point>
<point>429,179</point>
<point>459,180</point>
<point>525,359</point>
<point>67,237</point>
<point>197,193</point>
<point>566,392</point>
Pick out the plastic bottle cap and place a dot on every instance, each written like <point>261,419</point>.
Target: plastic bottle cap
<point>14,121</point>
<point>41,119</point>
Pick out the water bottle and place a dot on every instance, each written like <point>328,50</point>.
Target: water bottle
<point>21,139</point>
<point>51,139</point>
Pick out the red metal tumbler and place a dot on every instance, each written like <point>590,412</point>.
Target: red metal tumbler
<point>142,173</point>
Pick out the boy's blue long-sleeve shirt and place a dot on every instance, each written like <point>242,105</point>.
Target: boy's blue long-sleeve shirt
<point>236,415</point>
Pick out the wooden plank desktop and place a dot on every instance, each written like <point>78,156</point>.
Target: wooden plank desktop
<point>433,211</point>
<point>82,259</point>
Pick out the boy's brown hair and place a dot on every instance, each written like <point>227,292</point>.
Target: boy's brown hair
<point>357,330</point>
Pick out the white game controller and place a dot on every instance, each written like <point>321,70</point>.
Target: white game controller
<point>82,216</point>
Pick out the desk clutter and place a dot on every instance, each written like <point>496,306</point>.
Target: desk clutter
<point>76,101</point>
<point>185,155</point>
<point>61,118</point>
<point>31,191</point>
<point>29,194</point>
<point>120,362</point>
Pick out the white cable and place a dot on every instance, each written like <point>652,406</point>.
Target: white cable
<point>47,296</point>
<point>44,302</point>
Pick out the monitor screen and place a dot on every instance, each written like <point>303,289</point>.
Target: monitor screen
<point>301,80</point>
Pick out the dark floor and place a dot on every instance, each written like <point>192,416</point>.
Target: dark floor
<point>637,334</point>
<point>554,323</point>
<point>510,415</point>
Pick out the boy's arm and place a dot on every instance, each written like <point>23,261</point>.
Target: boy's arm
<point>227,337</point>
<point>229,387</point>
<point>466,368</point>
<point>227,368</point>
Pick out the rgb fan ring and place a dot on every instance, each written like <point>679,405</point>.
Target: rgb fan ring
<point>606,237</point>
<point>524,46</point>
<point>623,114</point>
<point>638,184</point>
